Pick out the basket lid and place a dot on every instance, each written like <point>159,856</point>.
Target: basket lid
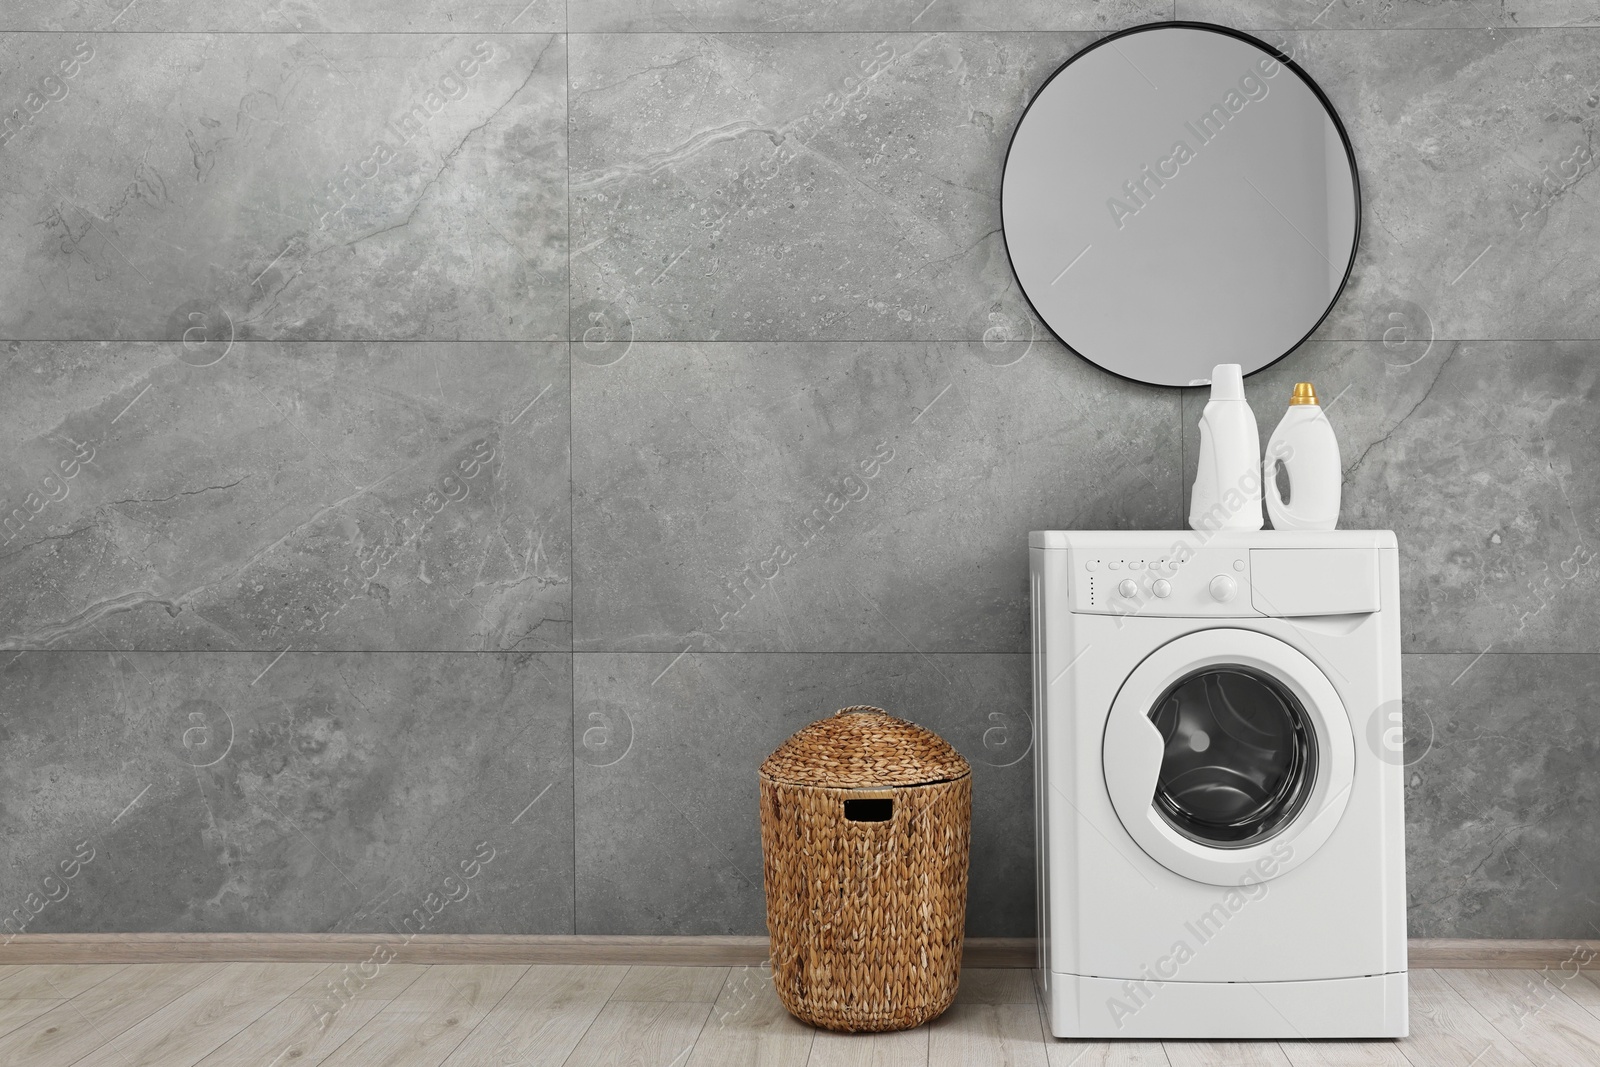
<point>864,746</point>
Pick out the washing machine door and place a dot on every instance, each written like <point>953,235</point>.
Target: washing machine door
<point>1229,756</point>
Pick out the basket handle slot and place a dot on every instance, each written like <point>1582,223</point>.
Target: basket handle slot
<point>869,809</point>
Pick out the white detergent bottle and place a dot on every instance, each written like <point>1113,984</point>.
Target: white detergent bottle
<point>1227,484</point>
<point>1305,444</point>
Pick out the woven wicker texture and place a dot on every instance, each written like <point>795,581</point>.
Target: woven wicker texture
<point>866,917</point>
<point>864,747</point>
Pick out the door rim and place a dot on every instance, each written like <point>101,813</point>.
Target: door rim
<point>1132,750</point>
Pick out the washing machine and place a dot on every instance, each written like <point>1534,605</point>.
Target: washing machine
<point>1219,784</point>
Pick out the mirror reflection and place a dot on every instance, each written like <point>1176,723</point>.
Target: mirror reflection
<point>1178,196</point>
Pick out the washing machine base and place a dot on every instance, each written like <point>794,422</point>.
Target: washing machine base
<point>1373,1006</point>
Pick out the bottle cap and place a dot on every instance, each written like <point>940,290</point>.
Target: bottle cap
<point>1227,382</point>
<point>1304,393</point>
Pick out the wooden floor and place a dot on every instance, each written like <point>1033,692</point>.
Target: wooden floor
<point>405,1015</point>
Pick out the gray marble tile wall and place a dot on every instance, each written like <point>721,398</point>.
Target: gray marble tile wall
<point>397,395</point>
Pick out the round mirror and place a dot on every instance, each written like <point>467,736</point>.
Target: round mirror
<point>1177,196</point>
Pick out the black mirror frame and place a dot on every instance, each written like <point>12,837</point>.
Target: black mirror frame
<point>1276,54</point>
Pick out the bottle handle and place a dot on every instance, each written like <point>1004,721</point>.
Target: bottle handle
<point>1269,477</point>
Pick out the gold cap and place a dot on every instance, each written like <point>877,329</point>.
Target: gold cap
<point>1304,393</point>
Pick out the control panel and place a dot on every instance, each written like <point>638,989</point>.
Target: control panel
<point>1198,583</point>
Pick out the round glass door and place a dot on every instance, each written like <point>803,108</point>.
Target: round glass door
<point>1225,748</point>
<point>1239,756</point>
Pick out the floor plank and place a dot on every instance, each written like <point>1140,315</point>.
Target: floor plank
<point>1005,1035</point>
<point>1446,1031</point>
<point>1000,985</point>
<point>542,1019</point>
<point>192,1026</point>
<point>1583,987</point>
<point>659,1033</point>
<point>14,1013</point>
<point>424,1024</point>
<point>696,985</point>
<point>407,1015</point>
<point>1546,1024</point>
<point>55,982</point>
<point>74,1028</point>
<point>313,1021</point>
<point>1065,1052</point>
<point>1344,1054</point>
<point>904,1048</point>
<point>1224,1054</point>
<point>749,1025</point>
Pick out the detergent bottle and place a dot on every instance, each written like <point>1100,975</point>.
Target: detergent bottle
<point>1305,445</point>
<point>1227,484</point>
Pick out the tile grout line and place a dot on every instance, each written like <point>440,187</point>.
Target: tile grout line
<point>572,537</point>
<point>659,651</point>
<point>553,341</point>
<point>868,30</point>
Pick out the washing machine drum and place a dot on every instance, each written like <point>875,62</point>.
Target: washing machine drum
<point>1240,756</point>
<point>1228,753</point>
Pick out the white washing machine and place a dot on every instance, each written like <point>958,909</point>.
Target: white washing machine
<point>1219,784</point>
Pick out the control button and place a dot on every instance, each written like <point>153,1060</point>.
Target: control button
<point>1223,588</point>
<point>1092,565</point>
<point>1238,564</point>
<point>1161,587</point>
<point>1127,588</point>
<point>1115,565</point>
<point>1136,565</point>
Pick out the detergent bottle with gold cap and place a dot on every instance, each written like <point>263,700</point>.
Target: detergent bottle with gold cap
<point>1305,446</point>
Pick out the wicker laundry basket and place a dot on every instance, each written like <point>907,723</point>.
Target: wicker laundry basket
<point>865,825</point>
